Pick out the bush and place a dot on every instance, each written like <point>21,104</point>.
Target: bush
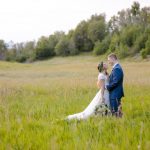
<point>97,30</point>
<point>143,53</point>
<point>123,51</point>
<point>21,58</point>
<point>72,48</point>
<point>81,39</point>
<point>66,47</point>
<point>99,48</point>
<point>147,46</point>
<point>129,35</point>
<point>114,43</point>
<point>44,48</point>
<point>102,47</point>
<point>139,44</point>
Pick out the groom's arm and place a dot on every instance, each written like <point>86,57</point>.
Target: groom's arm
<point>116,79</point>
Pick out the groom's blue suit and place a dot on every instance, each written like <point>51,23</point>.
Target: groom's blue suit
<point>115,87</point>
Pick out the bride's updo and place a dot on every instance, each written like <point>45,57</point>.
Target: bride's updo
<point>100,66</point>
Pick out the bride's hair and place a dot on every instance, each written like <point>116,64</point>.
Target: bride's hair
<point>100,66</point>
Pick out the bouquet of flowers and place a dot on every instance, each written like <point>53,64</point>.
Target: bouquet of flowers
<point>102,110</point>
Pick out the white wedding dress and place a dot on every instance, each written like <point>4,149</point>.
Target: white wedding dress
<point>97,100</point>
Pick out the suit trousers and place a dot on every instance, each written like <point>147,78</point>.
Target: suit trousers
<point>115,103</point>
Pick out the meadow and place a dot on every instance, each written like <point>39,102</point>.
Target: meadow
<point>34,98</point>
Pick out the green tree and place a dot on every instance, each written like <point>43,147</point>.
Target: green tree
<point>29,51</point>
<point>123,50</point>
<point>129,34</point>
<point>135,8</point>
<point>147,46</point>
<point>139,43</point>
<point>97,29</point>
<point>124,18</point>
<point>3,50</point>
<point>102,46</point>
<point>20,56</point>
<point>143,53</point>
<point>72,47</point>
<point>146,51</point>
<point>145,16</point>
<point>113,25</point>
<point>54,39</point>
<point>66,47</point>
<point>44,48</point>
<point>80,37</point>
<point>114,42</point>
<point>135,11</point>
<point>11,55</point>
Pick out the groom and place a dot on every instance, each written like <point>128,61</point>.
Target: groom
<point>115,86</point>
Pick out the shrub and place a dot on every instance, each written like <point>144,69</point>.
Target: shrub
<point>143,53</point>
<point>66,47</point>
<point>44,48</point>
<point>102,47</point>
<point>123,51</point>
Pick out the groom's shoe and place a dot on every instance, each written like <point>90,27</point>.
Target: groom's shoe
<point>117,114</point>
<point>120,114</point>
<point>113,113</point>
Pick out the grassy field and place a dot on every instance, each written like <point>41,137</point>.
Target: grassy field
<point>34,97</point>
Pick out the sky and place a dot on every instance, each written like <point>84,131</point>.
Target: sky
<point>25,20</point>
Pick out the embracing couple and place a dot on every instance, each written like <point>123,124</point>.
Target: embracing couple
<point>110,91</point>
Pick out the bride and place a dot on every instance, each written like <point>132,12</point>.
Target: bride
<point>101,97</point>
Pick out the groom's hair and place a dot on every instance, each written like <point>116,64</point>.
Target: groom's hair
<point>112,55</point>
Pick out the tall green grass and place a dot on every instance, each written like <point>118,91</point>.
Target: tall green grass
<point>35,97</point>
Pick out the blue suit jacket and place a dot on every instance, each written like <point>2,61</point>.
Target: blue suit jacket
<point>115,86</point>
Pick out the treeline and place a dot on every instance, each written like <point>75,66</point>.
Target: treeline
<point>126,34</point>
